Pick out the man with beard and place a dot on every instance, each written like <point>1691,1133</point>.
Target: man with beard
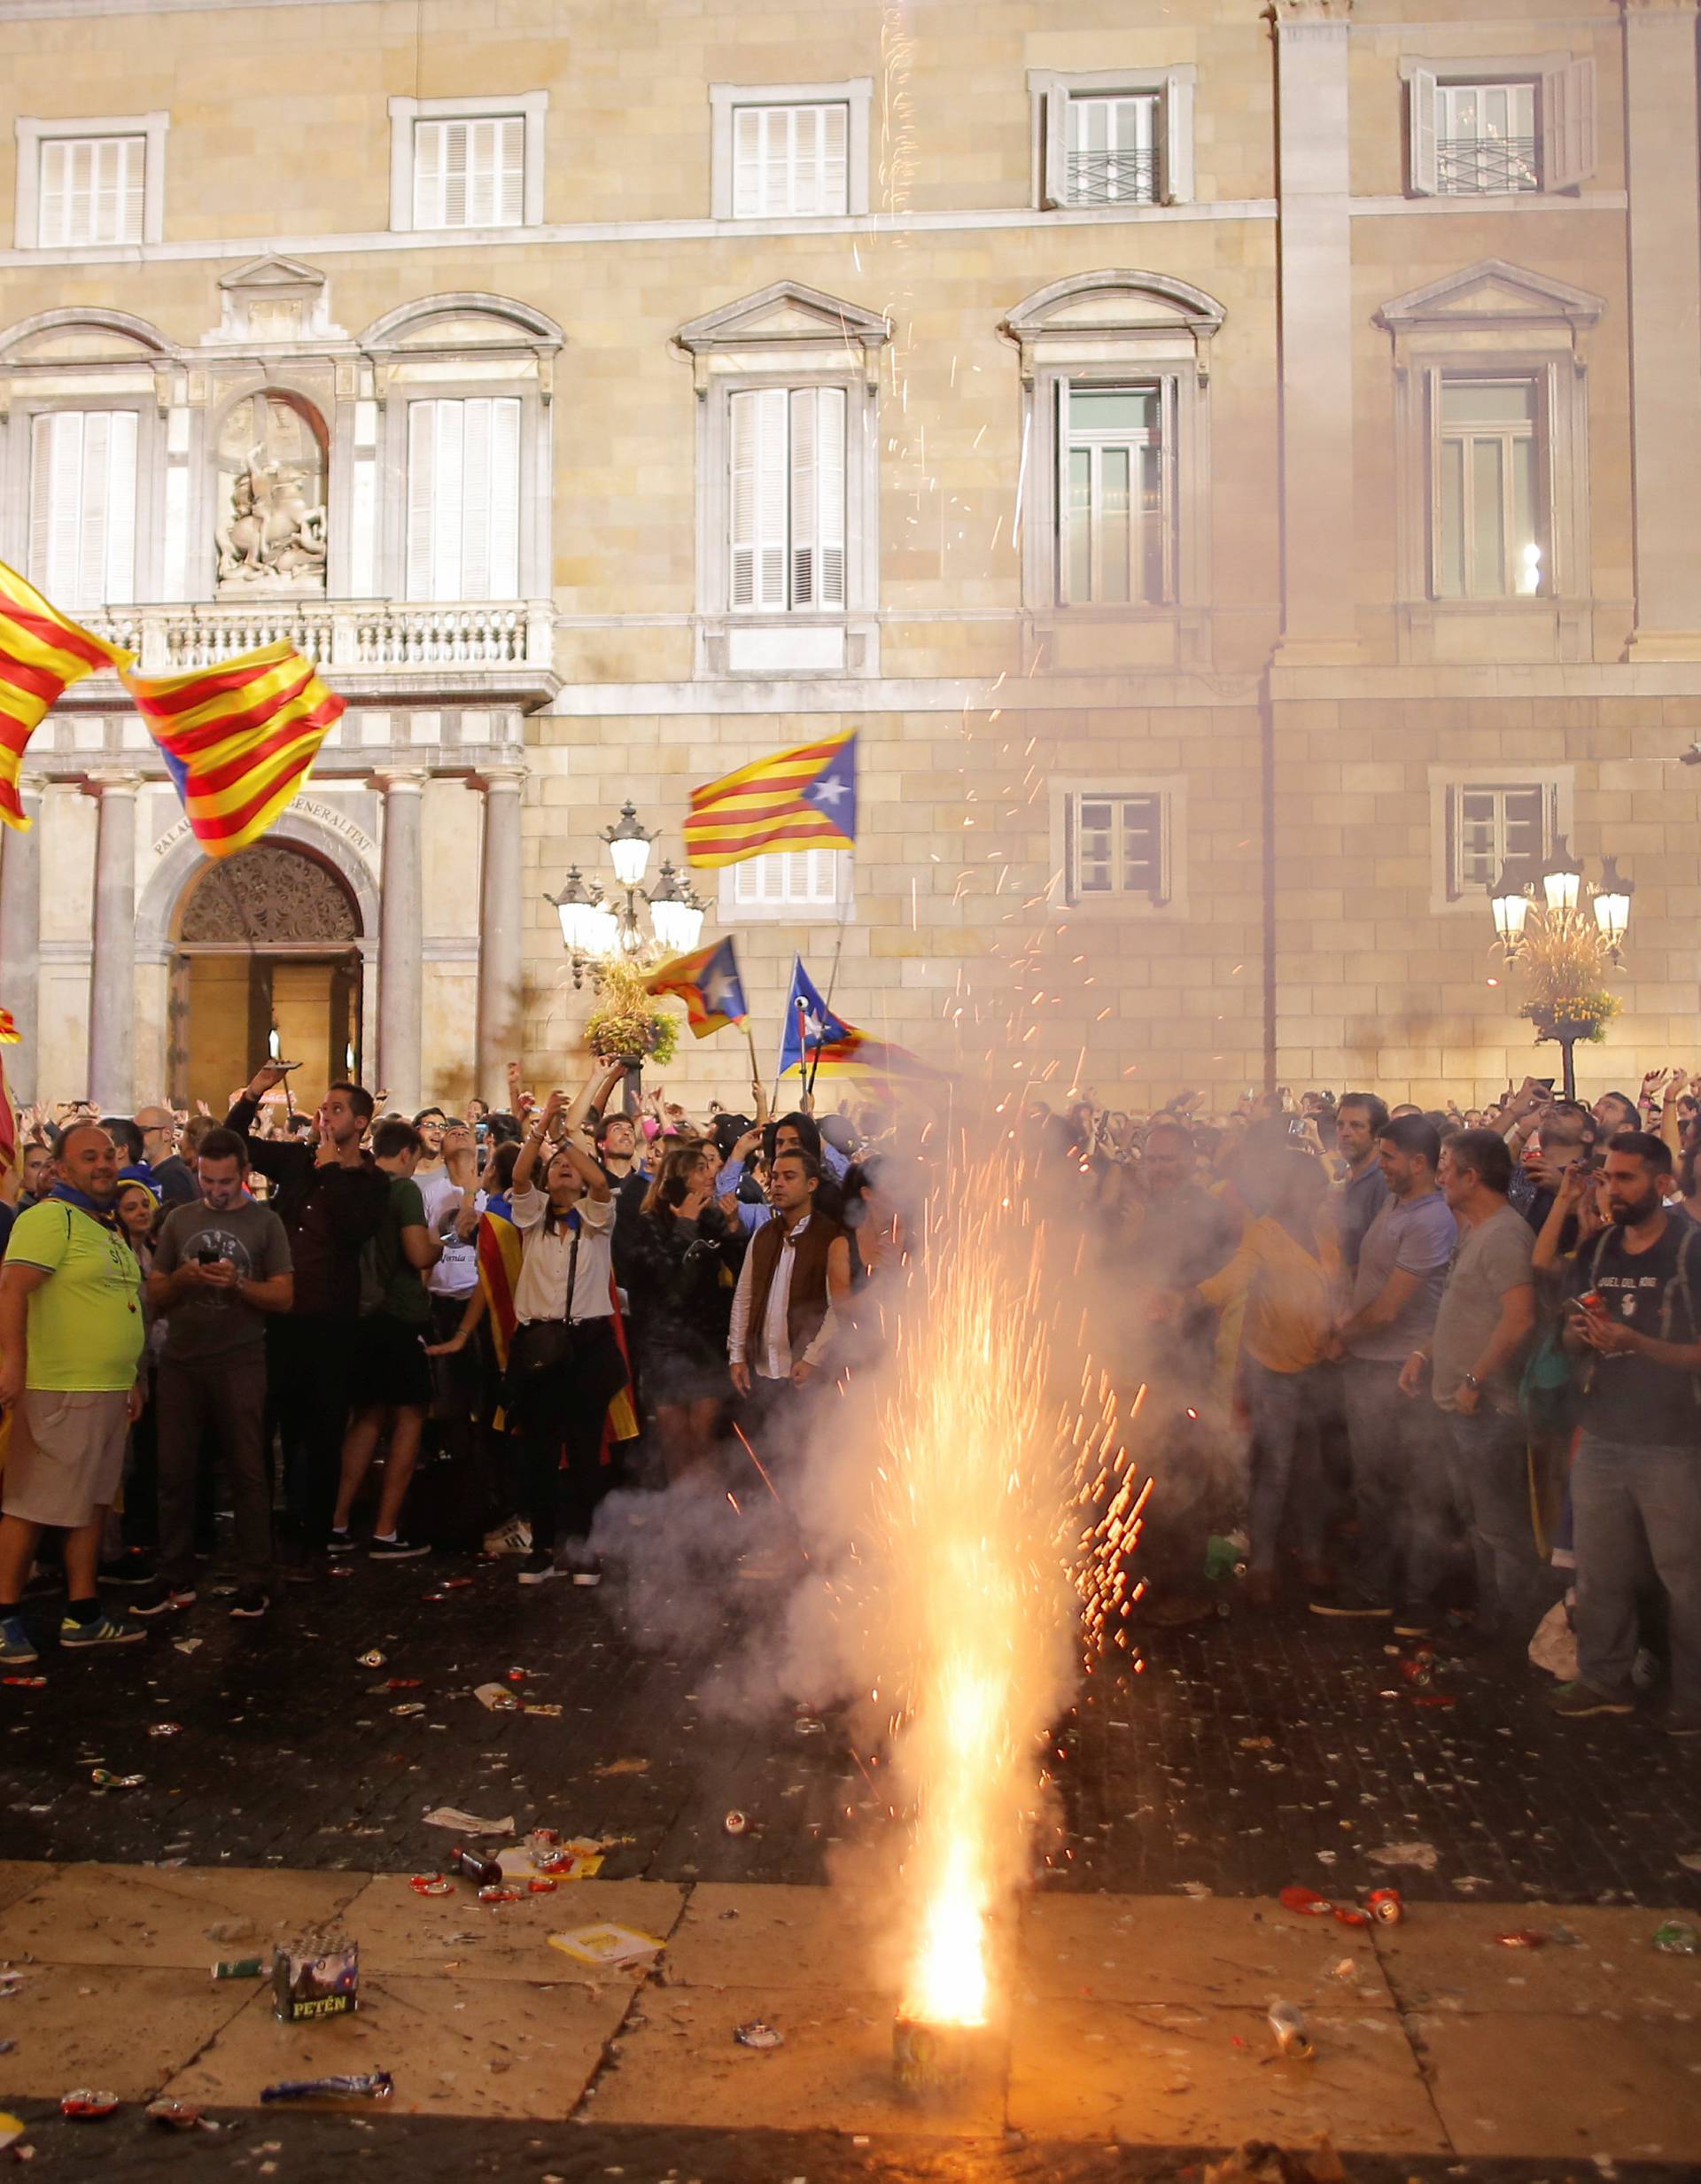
<point>1636,1486</point>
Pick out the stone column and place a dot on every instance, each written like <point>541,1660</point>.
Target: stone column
<point>112,982</point>
<point>401,912</point>
<point>500,979</point>
<point>20,943</point>
<point>1665,238</point>
<point>1315,302</point>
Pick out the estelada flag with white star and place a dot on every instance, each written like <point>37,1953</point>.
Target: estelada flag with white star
<point>804,798</point>
<point>817,1042</point>
<point>708,984</point>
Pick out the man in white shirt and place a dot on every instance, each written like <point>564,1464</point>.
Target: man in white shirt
<point>453,1200</point>
<point>796,1269</point>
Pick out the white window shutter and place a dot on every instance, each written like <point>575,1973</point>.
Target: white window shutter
<point>804,192</point>
<point>510,194</point>
<point>829,496</point>
<point>747,162</point>
<point>505,498</point>
<point>742,499</point>
<point>806,499</point>
<point>1421,92</point>
<point>428,174</point>
<point>79,194</point>
<point>758,499</point>
<point>776,160</point>
<point>1568,125</point>
<point>103,216</point>
<point>55,456</point>
<point>1178,140</point>
<point>456,157</point>
<point>474,527</point>
<point>1054,123</point>
<point>54,201</point>
<point>131,187</point>
<point>117,587</point>
<point>421,495</point>
<point>836,123</point>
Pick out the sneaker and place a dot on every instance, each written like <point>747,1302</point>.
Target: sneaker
<point>1413,1623</point>
<point>396,1548</point>
<point>251,1602</point>
<point>538,1569</point>
<point>100,1630</point>
<point>1575,1702</point>
<point>340,1543</point>
<point>134,1567</point>
<point>588,1573</point>
<point>1351,1603</point>
<point>512,1538</point>
<point>15,1648</point>
<point>164,1597</point>
<point>1684,1725</point>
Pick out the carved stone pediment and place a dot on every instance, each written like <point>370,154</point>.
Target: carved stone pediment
<point>1492,291</point>
<point>273,299</point>
<point>267,894</point>
<point>786,311</point>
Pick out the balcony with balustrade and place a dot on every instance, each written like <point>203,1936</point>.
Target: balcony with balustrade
<point>1484,165</point>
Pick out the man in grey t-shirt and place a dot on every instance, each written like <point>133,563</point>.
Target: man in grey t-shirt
<point>220,1266</point>
<point>1400,1486</point>
<point>1474,1356</point>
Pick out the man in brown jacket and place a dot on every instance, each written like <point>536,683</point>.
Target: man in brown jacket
<point>796,1269</point>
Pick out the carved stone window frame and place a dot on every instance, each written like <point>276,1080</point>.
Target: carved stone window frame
<point>1558,784</point>
<point>856,93</point>
<point>1064,793</point>
<point>530,107</point>
<point>1496,320</point>
<point>1113,326</point>
<point>819,340</point>
<point>1049,91</point>
<point>32,132</point>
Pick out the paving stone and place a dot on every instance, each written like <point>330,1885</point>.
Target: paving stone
<point>1448,1958</point>
<point>125,2029</point>
<point>1178,2074</point>
<point>1210,1951</point>
<point>456,2047</point>
<point>120,1914</point>
<point>679,2063</point>
<point>1592,2089</point>
<point>752,1935</point>
<point>402,1934</point>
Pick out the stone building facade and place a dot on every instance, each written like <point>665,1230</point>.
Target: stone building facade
<point>1233,465</point>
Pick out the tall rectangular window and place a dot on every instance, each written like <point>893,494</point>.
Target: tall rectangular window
<point>463,498</point>
<point>1491,826</point>
<point>1113,152</point>
<point>790,160</point>
<point>469,174</point>
<point>1115,517</point>
<point>1490,525</point>
<point>787,499</point>
<point>82,507</point>
<point>1116,846</point>
<point>1485,139</point>
<point>92,191</point>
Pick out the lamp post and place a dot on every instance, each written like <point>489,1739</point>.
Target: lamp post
<point>596,932</point>
<point>1563,931</point>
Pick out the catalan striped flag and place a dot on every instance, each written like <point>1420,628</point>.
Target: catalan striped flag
<point>7,1128</point>
<point>800,799</point>
<point>240,739</point>
<point>9,1035</point>
<point>42,652</point>
<point>708,984</point>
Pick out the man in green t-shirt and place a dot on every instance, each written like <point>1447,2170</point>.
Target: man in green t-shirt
<point>71,1347</point>
<point>392,1379</point>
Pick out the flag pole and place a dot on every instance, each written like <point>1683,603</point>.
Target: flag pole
<point>826,1003</point>
<point>755,1072</point>
<point>802,1007</point>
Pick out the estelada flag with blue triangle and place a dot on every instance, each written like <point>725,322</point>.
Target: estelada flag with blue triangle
<point>816,1042</point>
<point>804,798</point>
<point>708,984</point>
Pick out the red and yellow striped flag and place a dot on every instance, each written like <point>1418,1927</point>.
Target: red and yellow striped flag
<point>799,799</point>
<point>42,652</point>
<point>238,739</point>
<point>9,1035</point>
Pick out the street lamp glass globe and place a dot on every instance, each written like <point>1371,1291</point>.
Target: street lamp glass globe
<point>1562,879</point>
<point>1612,916</point>
<point>675,925</point>
<point>603,929</point>
<point>630,854</point>
<point>578,916</point>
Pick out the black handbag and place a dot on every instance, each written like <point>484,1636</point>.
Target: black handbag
<point>580,1354</point>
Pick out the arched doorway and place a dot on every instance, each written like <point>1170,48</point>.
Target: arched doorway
<point>267,959</point>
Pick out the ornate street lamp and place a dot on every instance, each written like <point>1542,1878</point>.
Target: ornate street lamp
<point>1563,931</point>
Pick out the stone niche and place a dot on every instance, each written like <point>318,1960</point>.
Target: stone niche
<point>270,499</point>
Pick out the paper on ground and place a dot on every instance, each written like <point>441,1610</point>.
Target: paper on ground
<point>468,1823</point>
<point>606,1945</point>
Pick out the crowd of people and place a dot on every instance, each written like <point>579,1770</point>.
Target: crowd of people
<point>1442,1368</point>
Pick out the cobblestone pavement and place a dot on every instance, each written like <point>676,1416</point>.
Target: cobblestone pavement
<point>1254,1751</point>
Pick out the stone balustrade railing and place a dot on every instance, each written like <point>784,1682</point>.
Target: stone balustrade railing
<point>361,634</point>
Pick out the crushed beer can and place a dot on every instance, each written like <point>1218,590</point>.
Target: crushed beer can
<point>374,1659</point>
<point>1386,1905</point>
<point>542,1885</point>
<point>240,1967</point>
<point>83,2104</point>
<point>26,1683</point>
<point>498,1895</point>
<point>1305,1902</point>
<point>318,1976</point>
<point>1677,1937</point>
<point>547,1711</point>
<point>165,1728</point>
<point>103,1779</point>
<point>430,1884</point>
<point>756,2034</point>
<point>1287,2022</point>
<point>1522,1937</point>
<point>364,2086</point>
<point>736,1823</point>
<point>1349,1914</point>
<point>177,2116</point>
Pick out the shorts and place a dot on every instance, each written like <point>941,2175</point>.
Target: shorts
<point>65,1457</point>
<point>389,1366</point>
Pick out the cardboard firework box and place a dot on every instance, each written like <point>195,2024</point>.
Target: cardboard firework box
<point>318,1976</point>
